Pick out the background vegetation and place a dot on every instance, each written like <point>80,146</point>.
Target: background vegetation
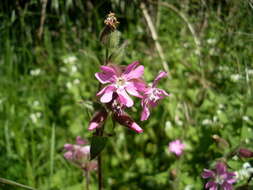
<point>47,68</point>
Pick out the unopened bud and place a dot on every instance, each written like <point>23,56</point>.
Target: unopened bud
<point>245,153</point>
<point>111,24</point>
<point>98,119</point>
<point>127,121</point>
<point>111,21</point>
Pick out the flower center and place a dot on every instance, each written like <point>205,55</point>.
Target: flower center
<point>153,96</point>
<point>219,179</point>
<point>117,108</point>
<point>120,82</point>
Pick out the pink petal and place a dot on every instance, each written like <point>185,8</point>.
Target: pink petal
<point>161,75</point>
<point>231,177</point>
<point>145,113</point>
<point>221,168</point>
<point>106,88</point>
<point>92,126</point>
<point>140,85</point>
<point>104,78</point>
<point>211,185</point>
<point>68,147</point>
<point>162,92</point>
<point>130,67</point>
<point>106,93</point>
<point>85,150</point>
<point>108,70</point>
<point>124,98</point>
<point>80,141</point>
<point>226,186</point>
<point>108,74</point>
<point>136,128</point>
<point>132,90</point>
<point>136,73</point>
<point>97,120</point>
<point>68,155</point>
<point>107,97</point>
<point>207,174</point>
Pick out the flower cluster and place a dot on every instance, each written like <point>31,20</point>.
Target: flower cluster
<point>79,154</point>
<point>220,178</point>
<point>119,84</point>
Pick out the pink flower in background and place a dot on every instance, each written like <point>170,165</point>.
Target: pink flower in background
<point>219,178</point>
<point>151,96</point>
<point>122,81</point>
<point>176,147</point>
<point>79,154</point>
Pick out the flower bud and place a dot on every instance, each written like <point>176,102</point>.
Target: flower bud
<point>111,24</point>
<point>98,119</point>
<point>127,121</point>
<point>245,153</point>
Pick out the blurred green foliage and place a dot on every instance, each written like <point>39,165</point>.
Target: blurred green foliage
<point>44,79</point>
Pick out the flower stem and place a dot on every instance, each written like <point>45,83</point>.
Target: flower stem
<point>87,180</point>
<point>100,174</point>
<point>100,166</point>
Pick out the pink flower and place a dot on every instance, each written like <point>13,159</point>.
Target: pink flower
<point>123,81</point>
<point>176,147</point>
<point>219,178</point>
<point>80,154</point>
<point>151,96</point>
<point>98,119</point>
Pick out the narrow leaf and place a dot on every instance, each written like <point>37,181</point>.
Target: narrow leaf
<point>9,182</point>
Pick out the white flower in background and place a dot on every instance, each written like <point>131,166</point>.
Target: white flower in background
<point>36,103</point>
<point>211,40</point>
<point>188,187</point>
<point>35,116</point>
<point>69,59</point>
<point>213,51</point>
<point>219,112</point>
<point>245,118</point>
<point>223,68</point>
<point>76,81</point>
<point>215,118</point>
<point>63,69</point>
<point>235,77</point>
<point>168,125</point>
<point>73,69</point>
<point>221,106</point>
<point>245,172</point>
<point>250,72</point>
<point>197,52</point>
<point>69,85</point>
<point>35,72</point>
<point>206,122</point>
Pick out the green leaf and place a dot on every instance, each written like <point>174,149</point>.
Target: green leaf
<point>97,145</point>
